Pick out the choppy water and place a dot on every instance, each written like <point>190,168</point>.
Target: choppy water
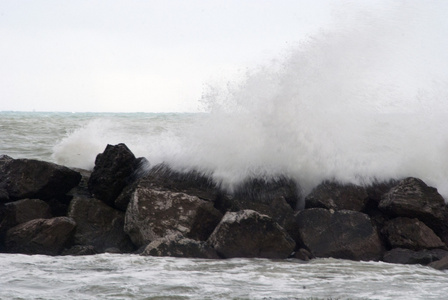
<point>108,276</point>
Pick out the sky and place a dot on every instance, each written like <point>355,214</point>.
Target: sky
<point>141,56</point>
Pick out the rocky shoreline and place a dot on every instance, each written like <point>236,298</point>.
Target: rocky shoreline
<point>123,206</point>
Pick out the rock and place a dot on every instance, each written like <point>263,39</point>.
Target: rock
<point>339,234</point>
<point>29,178</point>
<point>80,250</point>
<point>412,198</point>
<point>14,213</point>
<point>113,170</point>
<point>276,198</point>
<point>40,236</point>
<point>178,246</point>
<point>408,256</point>
<point>411,234</point>
<point>153,214</point>
<point>248,233</point>
<point>333,195</point>
<point>4,197</point>
<point>162,177</point>
<point>303,254</point>
<point>99,225</point>
<point>441,264</point>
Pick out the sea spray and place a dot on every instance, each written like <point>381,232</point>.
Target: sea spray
<point>364,101</point>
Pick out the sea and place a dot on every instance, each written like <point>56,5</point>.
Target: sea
<point>74,139</point>
<point>364,101</point>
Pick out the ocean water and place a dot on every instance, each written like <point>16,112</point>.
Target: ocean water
<point>363,101</point>
<point>112,276</point>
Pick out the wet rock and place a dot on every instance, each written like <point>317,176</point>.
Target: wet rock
<point>29,178</point>
<point>303,254</point>
<point>339,234</point>
<point>412,198</point>
<point>408,256</point>
<point>40,236</point>
<point>441,264</point>
<point>113,170</point>
<point>99,225</point>
<point>248,233</point>
<point>153,214</point>
<point>333,195</point>
<point>411,234</point>
<point>277,198</point>
<point>178,246</point>
<point>78,250</point>
<point>14,213</point>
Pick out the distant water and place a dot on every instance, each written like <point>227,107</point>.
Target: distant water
<point>109,276</point>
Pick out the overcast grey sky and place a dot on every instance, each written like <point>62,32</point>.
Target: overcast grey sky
<point>148,56</point>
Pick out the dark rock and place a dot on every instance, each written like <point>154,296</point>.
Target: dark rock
<point>4,197</point>
<point>14,213</point>
<point>333,195</point>
<point>162,177</point>
<point>277,198</point>
<point>28,178</point>
<point>441,264</point>
<point>247,233</point>
<point>376,192</point>
<point>408,256</point>
<point>113,170</point>
<point>99,225</point>
<point>412,198</point>
<point>80,250</point>
<point>82,189</point>
<point>410,233</point>
<point>303,254</point>
<point>40,236</point>
<point>340,234</point>
<point>178,246</point>
<point>153,214</point>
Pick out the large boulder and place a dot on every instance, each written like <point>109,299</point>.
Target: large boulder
<point>340,234</point>
<point>441,264</point>
<point>408,256</point>
<point>333,195</point>
<point>114,169</point>
<point>412,198</point>
<point>29,178</point>
<point>40,236</point>
<point>248,233</point>
<point>21,211</point>
<point>99,225</point>
<point>152,214</point>
<point>162,177</point>
<point>410,233</point>
<point>277,198</point>
<point>177,245</point>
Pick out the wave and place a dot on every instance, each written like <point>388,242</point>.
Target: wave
<point>364,101</point>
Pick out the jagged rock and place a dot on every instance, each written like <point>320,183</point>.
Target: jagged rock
<point>153,214</point>
<point>40,236</point>
<point>340,234</point>
<point>303,254</point>
<point>14,213</point>
<point>80,250</point>
<point>277,198</point>
<point>410,233</point>
<point>29,178</point>
<point>162,177</point>
<point>178,246</point>
<point>112,172</point>
<point>408,256</point>
<point>248,233</point>
<point>333,195</point>
<point>441,264</point>
<point>99,225</point>
<point>412,198</point>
